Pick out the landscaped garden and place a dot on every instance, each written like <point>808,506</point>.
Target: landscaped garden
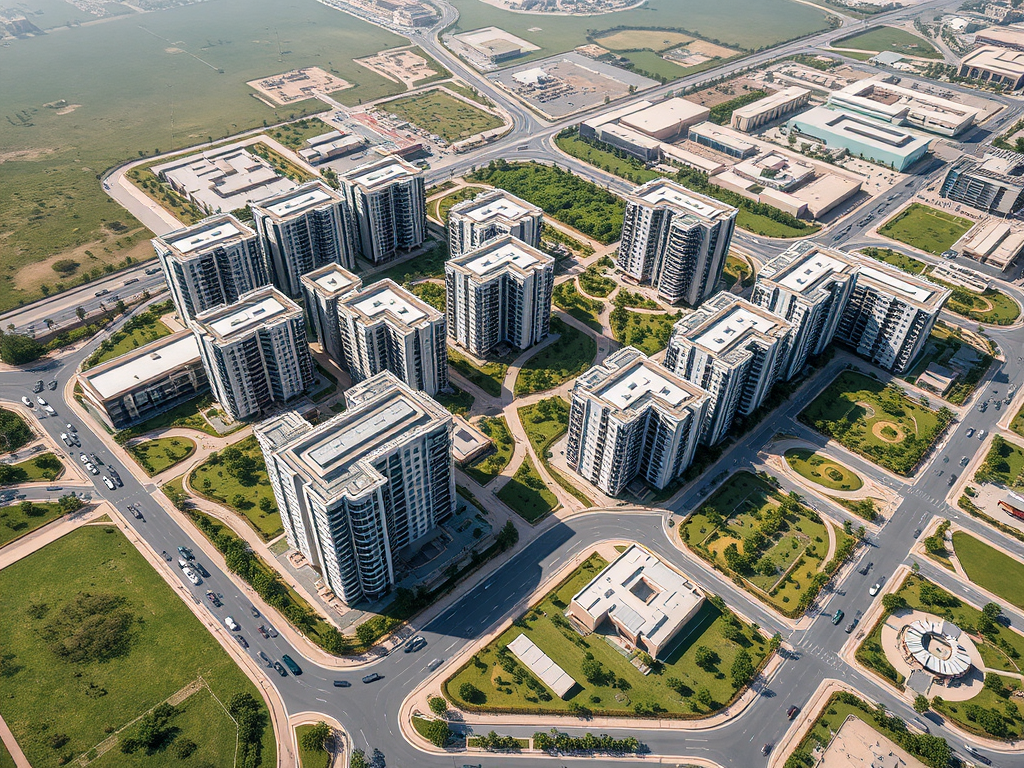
<point>457,401</point>
<point>568,299</point>
<point>715,657</point>
<point>488,377</point>
<point>159,455</point>
<point>990,306</point>
<point>648,332</point>
<point>439,208</point>
<point>544,422</point>
<point>107,642</point>
<point>139,330</point>
<point>14,432</point>
<point>236,477</point>
<point>527,494</point>
<point>45,466</point>
<point>896,259</point>
<point>594,280</point>
<point>433,293</point>
<point>558,362</point>
<point>1003,464</point>
<point>876,420</point>
<point>925,228</point>
<point>604,156</point>
<point>312,739</point>
<point>778,549</point>
<point>822,470</point>
<point>187,415</point>
<point>26,516</point>
<point>486,469</point>
<point>990,568</point>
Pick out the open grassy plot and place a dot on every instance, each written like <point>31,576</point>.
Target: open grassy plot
<point>990,568</point>
<point>657,40</point>
<point>438,209</point>
<point>989,306</point>
<point>822,470</point>
<point>773,544</point>
<point>677,688</point>
<point>24,517</point>
<point>311,758</point>
<point>442,114</point>
<point>896,259</point>
<point>558,362</point>
<point>14,432</point>
<point>593,281</point>
<point>187,415</point>
<point>429,264</point>
<point>765,226</point>
<point>527,494</point>
<point>433,293</point>
<point>604,156</point>
<point>943,343</point>
<point>70,686</point>
<point>926,228</point>
<point>156,456</point>
<point>486,469</point>
<point>568,299</point>
<point>545,422</point>
<point>1003,464</point>
<point>647,332</point>
<point>488,377</point>
<point>137,331</point>
<point>113,87</point>
<point>294,135</point>
<point>45,466</point>
<point>571,199</point>
<point>876,420</point>
<point>889,39</point>
<point>736,268</point>
<point>458,401</point>
<point>237,478</point>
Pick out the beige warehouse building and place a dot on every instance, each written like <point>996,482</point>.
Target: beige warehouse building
<point>763,111</point>
<point>667,120</point>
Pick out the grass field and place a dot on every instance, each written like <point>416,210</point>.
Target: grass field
<point>527,494</point>
<point>647,332</point>
<point>429,264</point>
<point>736,268</point>
<point>890,39</point>
<point>458,401</point>
<point>990,306</point>
<point>438,209</point>
<point>435,295</point>
<point>638,39</point>
<point>823,470</point>
<point>123,80</point>
<point>294,135</point>
<point>159,455</point>
<point>490,466</point>
<point>928,229</point>
<point>896,259</point>
<point>83,702</point>
<point>246,491</point>
<point>875,420</point>
<point>670,690</point>
<point>45,466</point>
<point>488,378</point>
<point>990,568</point>
<point>774,545</point>
<point>443,114</point>
<point>17,520</point>
<point>558,362</point>
<point>568,298</point>
<point>311,758</point>
<point>186,415</point>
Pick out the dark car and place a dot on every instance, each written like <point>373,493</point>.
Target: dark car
<point>280,670</point>
<point>186,553</point>
<point>38,386</point>
<point>342,684</point>
<point>289,662</point>
<point>976,754</point>
<point>372,677</point>
<point>116,477</point>
<point>242,641</point>
<point>262,630</point>
<point>202,571</point>
<point>837,617</point>
<point>792,711</point>
<point>255,613</point>
<point>271,631</point>
<point>917,533</point>
<point>851,626</point>
<point>766,749</point>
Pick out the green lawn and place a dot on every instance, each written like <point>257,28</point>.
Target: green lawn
<point>889,39</point>
<point>442,114</point>
<point>593,281</point>
<point>989,306</point>
<point>567,298</point>
<point>438,209</point>
<point>311,758</point>
<point>558,362</point>
<point>294,135</point>
<point>458,401</point>
<point>156,456</point>
<point>670,690</point>
<point>604,156</point>
<point>876,420</point>
<point>774,545</point>
<point>236,477</point>
<point>990,568</point>
<point>896,259</point>
<point>925,228</point>
<point>432,293</point>
<point>943,343</point>
<point>486,469</point>
<point>18,519</point>
<point>544,422</point>
<point>736,268</point>
<point>187,415</point>
<point>488,378</point>
<point>14,432</point>
<point>527,495</point>
<point>769,227</point>
<point>1003,464</point>
<point>823,471</point>
<point>154,646</point>
<point>45,466</point>
<point>138,331</point>
<point>429,264</point>
<point>647,332</point>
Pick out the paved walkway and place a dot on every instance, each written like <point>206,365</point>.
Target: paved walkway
<point>205,445</point>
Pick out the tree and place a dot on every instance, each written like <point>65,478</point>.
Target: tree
<point>80,312</point>
<point>358,759</point>
<point>438,705</point>
<point>508,536</point>
<point>705,658</point>
<point>742,668</point>
<point>471,694</point>
<point>366,634</point>
<point>703,697</point>
<point>438,732</point>
<point>315,738</point>
<point>921,704</point>
<point>18,349</point>
<point>593,671</point>
<point>893,602</point>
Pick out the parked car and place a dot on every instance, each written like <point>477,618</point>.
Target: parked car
<point>242,641</point>
<point>192,576</point>
<point>372,677</point>
<point>874,590</point>
<point>231,624</point>
<point>186,553</point>
<point>435,664</point>
<point>292,666</point>
<point>110,484</point>
<point>792,711</point>
<point>837,617</point>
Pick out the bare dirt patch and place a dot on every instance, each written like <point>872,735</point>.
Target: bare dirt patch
<point>400,65</point>
<point>877,429</point>
<point>26,154</point>
<point>723,92</point>
<point>31,276</point>
<point>68,109</point>
<point>869,411</point>
<point>634,39</point>
<point>711,49</point>
<point>298,85</point>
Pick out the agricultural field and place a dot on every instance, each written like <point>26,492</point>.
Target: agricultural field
<point>112,89</point>
<point>925,228</point>
<point>443,114</point>
<point>876,420</point>
<point>889,39</point>
<point>822,470</point>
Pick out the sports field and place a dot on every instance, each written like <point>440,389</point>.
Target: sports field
<point>135,85</point>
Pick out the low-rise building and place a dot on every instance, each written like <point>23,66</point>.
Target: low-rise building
<point>861,136</point>
<point>666,120</point>
<point>995,183</point>
<point>722,139</point>
<point>489,215</point>
<point>752,116</point>
<point>881,99</point>
<point>632,418</point>
<point>321,290</point>
<point>1011,37</point>
<point>145,382</point>
<point>990,64</point>
<point>588,128</point>
<point>648,603</point>
<point>993,241</point>
<point>733,350</point>
<point>633,143</point>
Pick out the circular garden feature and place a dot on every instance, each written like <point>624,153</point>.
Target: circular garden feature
<point>822,470</point>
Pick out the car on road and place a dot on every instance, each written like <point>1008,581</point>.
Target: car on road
<point>55,487</point>
<point>110,484</point>
<point>131,280</point>
<point>917,532</point>
<point>71,427</point>
<point>242,641</point>
<point>973,752</point>
<point>280,670</point>
<point>213,598</point>
<point>95,459</point>
<point>292,666</point>
<point>262,630</point>
<point>104,292</point>
<point>92,467</point>
<point>27,402</point>
<point>866,567</point>
<point>255,613</point>
<point>874,589</point>
<point>415,644</point>
<point>83,458</point>
<point>271,631</point>
<point>38,386</point>
<point>970,432</point>
<point>981,434</point>
<point>342,684</point>
<point>231,624</point>
<point>186,553</point>
<point>372,677</point>
<point>66,439</point>
<point>116,477</point>
<point>199,567</point>
<point>963,461</point>
<point>952,479</point>
<point>837,617</point>
<point>152,270</point>
<point>852,626</point>
<point>264,657</point>
<point>435,664</point>
<point>792,711</point>
<point>192,576</point>
<point>766,749</point>
<point>51,385</point>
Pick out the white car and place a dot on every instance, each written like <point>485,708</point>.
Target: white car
<point>92,467</point>
<point>71,428</point>
<point>27,402</point>
<point>40,401</point>
<point>874,590</point>
<point>84,458</point>
<point>231,624</point>
<point>192,576</point>
<point>66,439</point>
<point>108,482</point>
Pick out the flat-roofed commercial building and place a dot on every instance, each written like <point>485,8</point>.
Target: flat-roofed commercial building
<point>210,263</point>
<point>880,99</point>
<point>386,328</point>
<point>734,351</point>
<point>147,381</point>
<point>489,215</point>
<point>647,602</point>
<point>300,231</point>
<point>807,285</point>
<point>752,116</point>
<point>499,293</point>
<point>889,315</point>
<point>722,139</point>
<point>994,65</point>
<point>861,136</point>
<point>387,208</point>
<point>368,484</point>
<point>995,183</point>
<point>255,351</point>
<point>632,418</point>
<point>589,128</point>
<point>321,290</point>
<point>994,242</point>
<point>676,240</point>
<point>633,143</point>
<point>1001,37</point>
<point>666,120</point>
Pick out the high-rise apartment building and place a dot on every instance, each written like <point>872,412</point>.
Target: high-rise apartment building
<point>387,208</point>
<point>808,285</point>
<point>386,328</point>
<point>210,263</point>
<point>362,487</point>
<point>675,240</point>
<point>255,351</point>
<point>890,315</point>
<point>499,293</point>
<point>301,230</point>
<point>631,417</point>
<point>321,290</point>
<point>733,350</point>
<point>490,215</point>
